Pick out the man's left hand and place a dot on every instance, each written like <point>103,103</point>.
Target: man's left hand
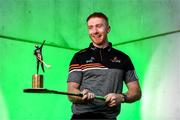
<point>113,99</point>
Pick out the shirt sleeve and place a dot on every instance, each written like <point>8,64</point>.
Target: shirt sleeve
<point>75,71</point>
<point>130,73</point>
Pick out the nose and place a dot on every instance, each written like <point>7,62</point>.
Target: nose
<point>94,30</point>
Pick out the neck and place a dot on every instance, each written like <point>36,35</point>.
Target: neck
<point>104,45</point>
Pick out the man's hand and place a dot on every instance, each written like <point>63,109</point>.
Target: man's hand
<point>113,99</point>
<point>87,95</point>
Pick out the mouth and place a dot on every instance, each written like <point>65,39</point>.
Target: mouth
<point>97,36</point>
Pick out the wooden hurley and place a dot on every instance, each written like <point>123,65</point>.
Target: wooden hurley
<point>41,90</point>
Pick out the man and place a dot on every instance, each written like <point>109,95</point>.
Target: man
<point>101,70</point>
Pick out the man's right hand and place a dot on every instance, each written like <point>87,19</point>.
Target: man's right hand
<point>74,88</point>
<point>87,95</point>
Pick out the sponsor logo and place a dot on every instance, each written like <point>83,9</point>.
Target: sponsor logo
<point>115,60</point>
<point>92,59</point>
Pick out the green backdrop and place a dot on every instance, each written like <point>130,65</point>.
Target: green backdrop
<point>144,29</point>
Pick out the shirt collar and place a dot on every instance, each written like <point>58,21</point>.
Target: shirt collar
<point>108,48</point>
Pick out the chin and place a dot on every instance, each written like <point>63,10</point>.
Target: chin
<point>98,42</point>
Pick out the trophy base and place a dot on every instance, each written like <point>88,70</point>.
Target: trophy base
<point>37,81</point>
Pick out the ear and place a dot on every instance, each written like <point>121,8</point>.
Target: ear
<point>109,28</point>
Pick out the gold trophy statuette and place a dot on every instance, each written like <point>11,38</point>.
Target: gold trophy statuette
<point>37,81</point>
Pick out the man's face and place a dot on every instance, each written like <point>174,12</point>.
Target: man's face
<point>98,29</point>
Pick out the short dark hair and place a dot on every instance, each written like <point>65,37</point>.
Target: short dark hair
<point>98,14</point>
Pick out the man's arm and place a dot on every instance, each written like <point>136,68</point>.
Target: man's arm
<point>134,92</point>
<point>74,88</point>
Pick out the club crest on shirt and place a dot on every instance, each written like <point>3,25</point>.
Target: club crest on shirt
<point>92,59</point>
<point>115,60</point>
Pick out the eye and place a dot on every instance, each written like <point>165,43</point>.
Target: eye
<point>99,25</point>
<point>89,27</point>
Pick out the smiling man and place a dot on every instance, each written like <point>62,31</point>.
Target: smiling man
<point>98,29</point>
<point>100,70</point>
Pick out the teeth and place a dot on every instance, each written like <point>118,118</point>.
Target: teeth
<point>97,36</point>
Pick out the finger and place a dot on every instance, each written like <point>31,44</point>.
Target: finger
<point>112,103</point>
<point>84,97</point>
<point>90,96</point>
<point>93,96</point>
<point>87,95</point>
<point>108,99</point>
<point>84,92</point>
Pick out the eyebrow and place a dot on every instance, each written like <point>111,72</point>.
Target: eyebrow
<point>95,24</point>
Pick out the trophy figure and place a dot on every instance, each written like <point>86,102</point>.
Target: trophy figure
<point>37,79</point>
